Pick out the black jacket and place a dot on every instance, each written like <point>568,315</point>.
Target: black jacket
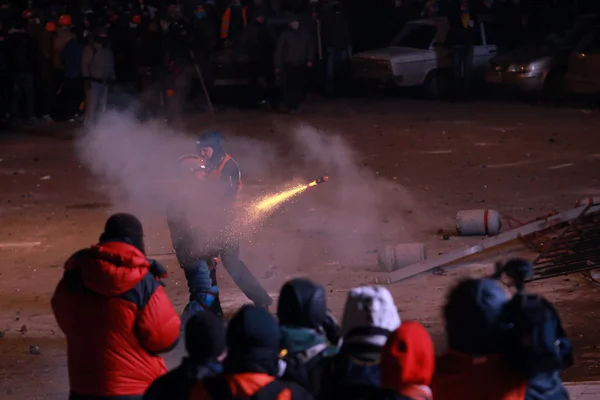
<point>19,52</point>
<point>177,384</point>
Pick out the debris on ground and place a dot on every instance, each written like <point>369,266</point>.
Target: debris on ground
<point>34,349</point>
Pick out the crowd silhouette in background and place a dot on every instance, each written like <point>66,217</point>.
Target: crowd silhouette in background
<point>65,60</point>
<point>502,341</point>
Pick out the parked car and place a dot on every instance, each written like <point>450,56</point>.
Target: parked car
<point>538,66</point>
<point>583,73</point>
<point>418,56</point>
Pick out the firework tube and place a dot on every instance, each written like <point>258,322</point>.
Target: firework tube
<point>318,181</point>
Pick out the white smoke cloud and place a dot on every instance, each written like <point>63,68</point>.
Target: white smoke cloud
<point>136,162</point>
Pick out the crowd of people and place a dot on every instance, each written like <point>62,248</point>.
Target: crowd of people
<point>57,61</point>
<point>502,341</point>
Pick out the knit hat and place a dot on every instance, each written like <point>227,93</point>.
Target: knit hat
<point>472,315</point>
<point>125,227</point>
<point>251,328</point>
<point>302,303</point>
<point>370,315</point>
<point>204,337</point>
<point>253,342</point>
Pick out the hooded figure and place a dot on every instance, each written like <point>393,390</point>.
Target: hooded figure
<point>115,314</point>
<point>303,317</point>
<point>473,367</point>
<point>407,363</point>
<point>370,316</point>
<point>252,363</point>
<point>221,185</point>
<point>205,344</point>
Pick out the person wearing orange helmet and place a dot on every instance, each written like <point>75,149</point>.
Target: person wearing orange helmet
<point>62,36</point>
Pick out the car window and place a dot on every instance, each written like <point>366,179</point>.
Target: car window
<point>418,36</point>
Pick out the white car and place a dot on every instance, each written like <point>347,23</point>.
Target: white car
<point>418,57</point>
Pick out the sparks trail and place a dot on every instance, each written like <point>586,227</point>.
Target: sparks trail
<point>261,209</point>
<point>276,199</point>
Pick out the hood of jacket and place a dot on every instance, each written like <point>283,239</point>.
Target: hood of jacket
<point>408,357</point>
<point>370,316</point>
<point>296,340</point>
<point>110,268</point>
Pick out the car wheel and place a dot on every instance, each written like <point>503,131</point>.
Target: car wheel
<point>437,85</point>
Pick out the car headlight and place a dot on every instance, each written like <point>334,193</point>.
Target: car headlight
<point>520,68</point>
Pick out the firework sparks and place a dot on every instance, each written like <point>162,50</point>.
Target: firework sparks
<point>264,207</point>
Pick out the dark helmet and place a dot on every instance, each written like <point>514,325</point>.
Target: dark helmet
<point>302,303</point>
<point>212,139</point>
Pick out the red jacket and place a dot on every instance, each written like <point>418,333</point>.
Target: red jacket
<point>116,317</point>
<point>461,376</point>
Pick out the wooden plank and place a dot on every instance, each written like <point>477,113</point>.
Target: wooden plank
<point>499,239</point>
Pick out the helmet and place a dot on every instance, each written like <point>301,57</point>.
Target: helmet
<point>302,303</point>
<point>51,26</point>
<point>26,14</point>
<point>212,139</point>
<point>136,19</point>
<point>65,20</point>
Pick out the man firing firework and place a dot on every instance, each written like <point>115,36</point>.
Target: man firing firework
<point>198,220</point>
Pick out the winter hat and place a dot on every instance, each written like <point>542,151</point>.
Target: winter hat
<point>407,358</point>
<point>370,315</point>
<point>302,303</point>
<point>124,227</point>
<point>204,336</point>
<point>472,315</point>
<point>253,328</point>
<point>253,342</point>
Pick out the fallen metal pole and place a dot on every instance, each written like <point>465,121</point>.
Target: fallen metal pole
<point>494,241</point>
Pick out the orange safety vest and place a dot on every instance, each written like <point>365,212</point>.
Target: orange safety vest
<point>227,19</point>
<point>215,174</point>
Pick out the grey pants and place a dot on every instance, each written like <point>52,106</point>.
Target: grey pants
<point>96,96</point>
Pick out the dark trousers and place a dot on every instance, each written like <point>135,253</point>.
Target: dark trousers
<point>336,71</point>
<point>462,64</point>
<point>23,96</point>
<point>72,94</point>
<point>243,278</point>
<point>258,71</point>
<point>293,85</point>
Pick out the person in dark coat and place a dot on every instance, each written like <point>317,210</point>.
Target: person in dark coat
<point>293,55</point>
<point>305,323</point>
<point>72,90</point>
<point>259,43</point>
<point>336,44</point>
<point>205,344</point>
<point>252,364</point>
<point>460,39</point>
<point>21,60</point>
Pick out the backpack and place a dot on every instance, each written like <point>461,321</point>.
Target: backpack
<point>536,341</point>
<point>218,388</point>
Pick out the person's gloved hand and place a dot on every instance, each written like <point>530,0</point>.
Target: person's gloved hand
<point>157,269</point>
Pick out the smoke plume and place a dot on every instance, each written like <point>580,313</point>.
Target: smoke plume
<point>347,217</point>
